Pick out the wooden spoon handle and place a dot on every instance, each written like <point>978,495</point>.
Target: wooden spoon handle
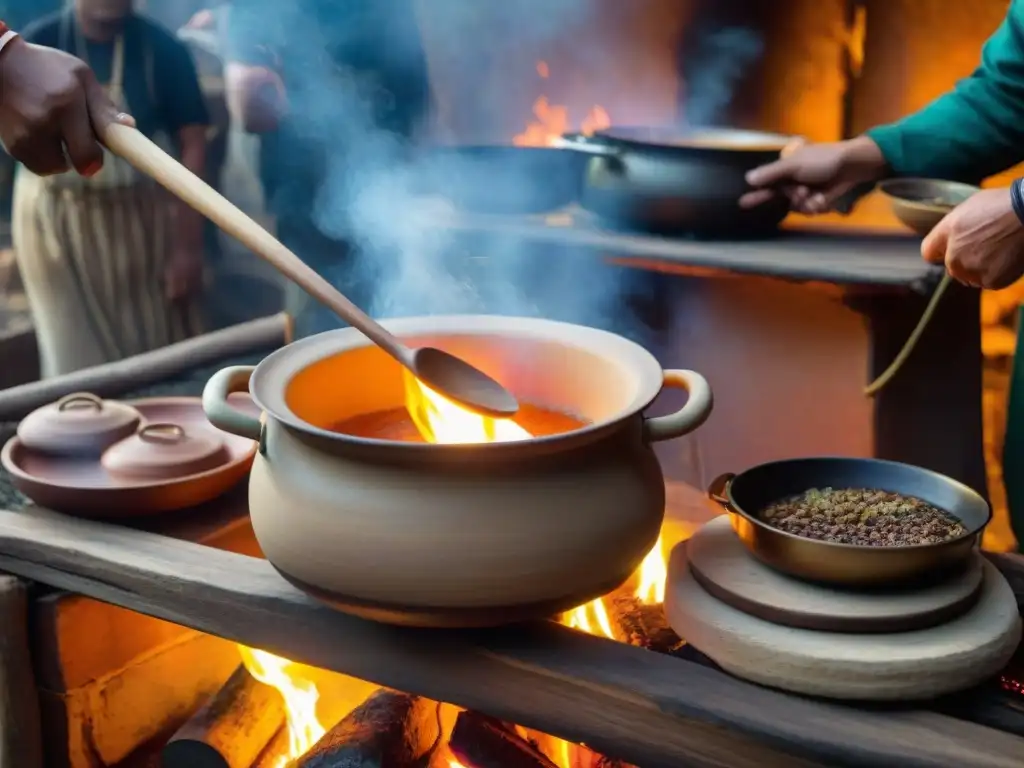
<point>148,158</point>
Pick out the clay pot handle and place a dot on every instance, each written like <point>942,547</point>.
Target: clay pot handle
<point>578,142</point>
<point>718,491</point>
<point>162,432</point>
<point>79,398</point>
<point>220,412</point>
<point>690,416</point>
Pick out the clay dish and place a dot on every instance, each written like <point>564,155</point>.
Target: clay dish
<point>83,487</point>
<point>922,203</point>
<point>80,424</point>
<point>165,451</point>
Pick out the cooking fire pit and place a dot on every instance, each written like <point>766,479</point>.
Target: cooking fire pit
<point>379,496</point>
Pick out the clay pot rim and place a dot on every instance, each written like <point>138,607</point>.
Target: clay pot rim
<point>269,380</point>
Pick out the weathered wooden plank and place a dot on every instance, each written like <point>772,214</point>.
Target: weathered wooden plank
<point>21,741</point>
<point>807,251</point>
<point>113,379</point>
<point>641,707</point>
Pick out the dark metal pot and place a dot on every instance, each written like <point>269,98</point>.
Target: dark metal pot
<point>666,180</point>
<point>848,565</point>
<point>503,179</point>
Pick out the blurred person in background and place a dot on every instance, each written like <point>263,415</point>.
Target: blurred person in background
<point>318,80</point>
<point>972,132</point>
<point>111,265</point>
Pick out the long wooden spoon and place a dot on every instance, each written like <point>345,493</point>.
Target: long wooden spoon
<point>439,370</point>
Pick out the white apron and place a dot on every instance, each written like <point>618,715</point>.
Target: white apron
<point>92,254</point>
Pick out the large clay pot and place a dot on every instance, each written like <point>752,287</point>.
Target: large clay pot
<point>458,535</point>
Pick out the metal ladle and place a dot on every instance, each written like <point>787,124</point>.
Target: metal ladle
<point>442,372</point>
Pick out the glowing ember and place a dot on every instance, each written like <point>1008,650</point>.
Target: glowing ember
<point>300,697</point>
<point>552,120</point>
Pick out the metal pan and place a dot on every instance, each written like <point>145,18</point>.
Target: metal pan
<point>674,181</point>
<point>746,494</point>
<point>503,179</point>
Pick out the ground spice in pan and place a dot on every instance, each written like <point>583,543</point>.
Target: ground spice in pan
<point>864,517</point>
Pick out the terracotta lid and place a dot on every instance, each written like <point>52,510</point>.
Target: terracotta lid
<point>79,424</point>
<point>162,451</point>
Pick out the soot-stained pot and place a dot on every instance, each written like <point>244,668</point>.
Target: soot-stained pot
<point>80,424</point>
<point>458,535</point>
<point>673,181</point>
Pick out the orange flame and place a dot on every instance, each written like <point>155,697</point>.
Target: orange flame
<point>300,697</point>
<point>439,420</point>
<point>552,120</point>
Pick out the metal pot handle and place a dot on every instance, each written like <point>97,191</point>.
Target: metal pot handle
<point>690,416</point>
<point>718,491</point>
<point>578,142</point>
<point>220,412</point>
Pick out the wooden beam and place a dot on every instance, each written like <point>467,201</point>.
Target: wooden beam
<point>641,707</point>
<point>132,373</point>
<point>21,740</point>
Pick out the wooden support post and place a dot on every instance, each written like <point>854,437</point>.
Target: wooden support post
<point>21,741</point>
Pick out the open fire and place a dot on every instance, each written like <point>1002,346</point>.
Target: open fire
<point>552,120</point>
<point>439,420</point>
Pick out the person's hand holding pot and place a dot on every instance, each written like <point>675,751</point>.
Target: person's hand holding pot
<point>981,241</point>
<point>50,106</point>
<point>815,176</point>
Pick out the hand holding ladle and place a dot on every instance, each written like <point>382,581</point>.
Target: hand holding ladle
<point>440,371</point>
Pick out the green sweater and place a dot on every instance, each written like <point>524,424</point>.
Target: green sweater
<point>975,130</point>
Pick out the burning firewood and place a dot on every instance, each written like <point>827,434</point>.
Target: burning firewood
<point>587,759</point>
<point>640,624</point>
<point>568,755</point>
<point>388,730</point>
<point>231,730</point>
<point>478,741</point>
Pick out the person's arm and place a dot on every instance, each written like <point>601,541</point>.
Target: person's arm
<point>975,130</point>
<point>255,92</point>
<point>183,109</point>
<point>50,107</point>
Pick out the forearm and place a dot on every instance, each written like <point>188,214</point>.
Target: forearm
<point>975,130</point>
<point>952,138</point>
<point>188,222</point>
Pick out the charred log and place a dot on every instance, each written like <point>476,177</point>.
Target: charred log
<point>601,761</point>
<point>388,730</point>
<point>478,741</point>
<point>640,624</point>
<point>231,730</point>
<point>276,751</point>
<point>569,755</point>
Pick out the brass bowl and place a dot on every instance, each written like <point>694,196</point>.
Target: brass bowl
<point>848,565</point>
<point>923,203</point>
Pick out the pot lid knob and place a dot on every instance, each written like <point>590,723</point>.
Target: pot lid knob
<point>165,451</point>
<point>79,424</point>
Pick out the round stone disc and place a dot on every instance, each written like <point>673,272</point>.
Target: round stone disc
<point>724,567</point>
<point>899,666</point>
